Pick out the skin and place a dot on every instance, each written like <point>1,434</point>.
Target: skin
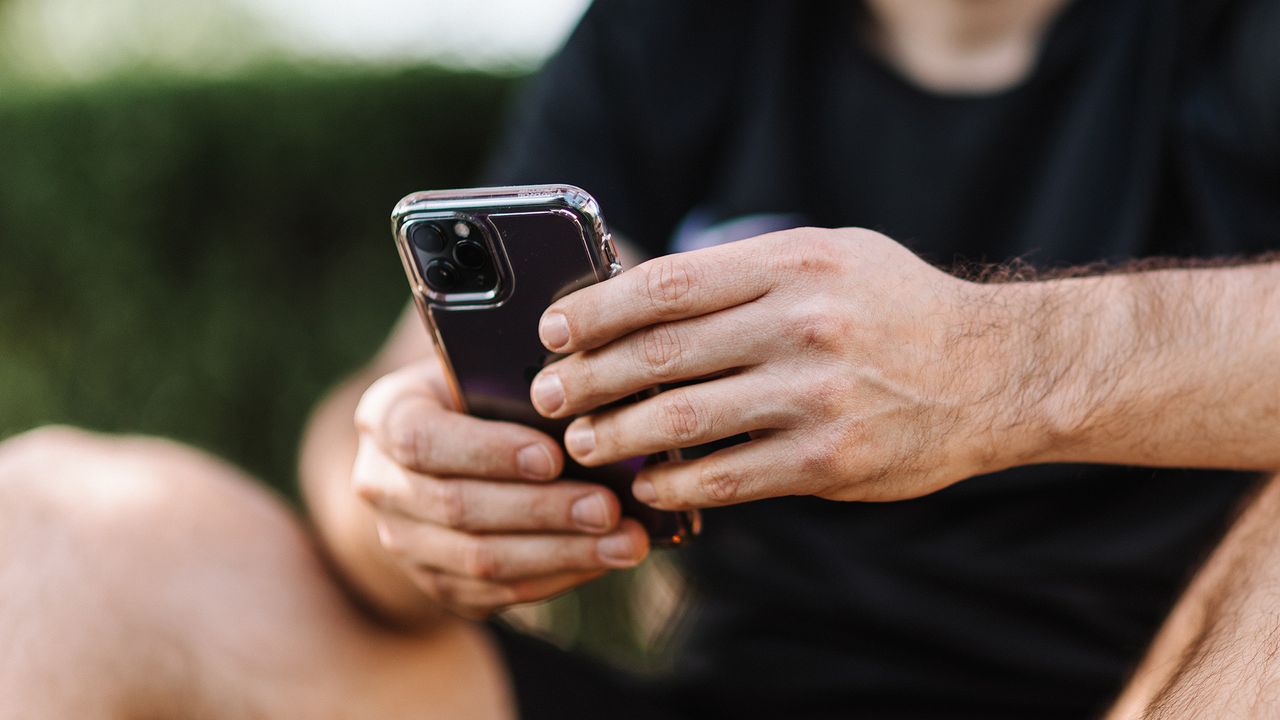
<point>959,46</point>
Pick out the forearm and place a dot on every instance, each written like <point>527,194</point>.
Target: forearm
<point>1175,368</point>
<point>345,525</point>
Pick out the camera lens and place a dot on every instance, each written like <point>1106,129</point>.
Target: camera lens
<point>441,275</point>
<point>427,238</point>
<point>470,254</point>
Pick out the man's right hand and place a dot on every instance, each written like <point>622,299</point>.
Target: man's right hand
<point>472,509</point>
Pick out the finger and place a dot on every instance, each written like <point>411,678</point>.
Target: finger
<point>486,505</point>
<point>664,289</point>
<point>679,418</point>
<point>658,354</point>
<point>510,557</point>
<point>485,596</point>
<point>754,470</point>
<point>411,426</point>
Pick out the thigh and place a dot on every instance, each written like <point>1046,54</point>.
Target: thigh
<point>1215,655</point>
<point>142,578</point>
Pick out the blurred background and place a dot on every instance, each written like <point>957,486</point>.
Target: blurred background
<point>194,203</point>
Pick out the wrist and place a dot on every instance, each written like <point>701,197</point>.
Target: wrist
<point>1068,374</point>
<point>1039,346</point>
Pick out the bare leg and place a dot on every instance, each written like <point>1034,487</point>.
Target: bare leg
<point>1218,654</point>
<point>139,578</point>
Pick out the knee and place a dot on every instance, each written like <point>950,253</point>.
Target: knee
<point>159,526</point>
<point>51,478</point>
<point>61,463</point>
<point>22,455</point>
<point>118,552</point>
<point>134,518</point>
<point>64,481</point>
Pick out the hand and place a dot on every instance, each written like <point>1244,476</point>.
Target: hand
<point>860,371</point>
<point>470,509</point>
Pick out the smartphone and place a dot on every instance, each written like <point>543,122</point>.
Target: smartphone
<point>483,265</point>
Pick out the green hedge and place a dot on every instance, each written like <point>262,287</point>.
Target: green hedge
<point>202,258</point>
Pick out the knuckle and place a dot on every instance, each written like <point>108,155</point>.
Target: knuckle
<point>521,592</point>
<point>449,502</point>
<point>825,396</point>
<point>450,593</point>
<point>813,251</point>
<point>580,378</point>
<point>366,487</point>
<point>669,284</point>
<point>819,327</point>
<point>720,484</point>
<point>465,597</point>
<point>371,410</point>
<point>499,595</point>
<point>822,252</point>
<point>434,584</point>
<point>367,418</point>
<point>680,419</point>
<point>462,596</point>
<point>549,509</point>
<point>479,559</point>
<point>394,542</point>
<point>661,351</point>
<point>822,457</point>
<point>577,554</point>
<point>409,446</point>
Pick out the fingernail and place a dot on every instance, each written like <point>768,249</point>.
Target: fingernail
<point>580,438</point>
<point>591,512</point>
<point>535,462</point>
<point>548,392</point>
<point>644,492</point>
<point>617,550</point>
<point>554,330</point>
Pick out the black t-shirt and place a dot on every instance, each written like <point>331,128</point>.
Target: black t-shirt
<point>1147,127</point>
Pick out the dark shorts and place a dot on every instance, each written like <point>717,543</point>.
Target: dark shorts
<point>551,683</point>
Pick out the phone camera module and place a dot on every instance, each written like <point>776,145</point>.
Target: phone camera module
<point>427,237</point>
<point>441,275</point>
<point>470,254</point>
<point>454,258</point>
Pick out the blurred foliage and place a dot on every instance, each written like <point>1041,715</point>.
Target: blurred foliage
<point>202,259</point>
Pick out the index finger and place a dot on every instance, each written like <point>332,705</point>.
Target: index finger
<point>417,432</point>
<point>667,288</point>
